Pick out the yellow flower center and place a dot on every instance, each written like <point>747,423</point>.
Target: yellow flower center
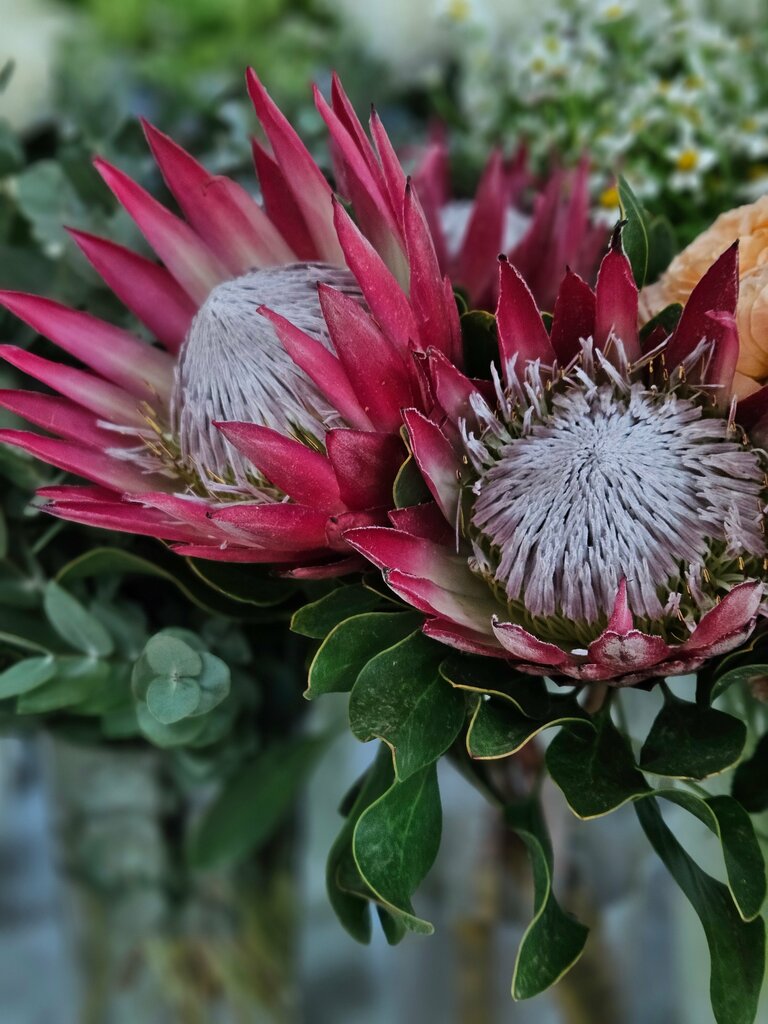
<point>688,160</point>
<point>459,10</point>
<point>614,11</point>
<point>609,197</point>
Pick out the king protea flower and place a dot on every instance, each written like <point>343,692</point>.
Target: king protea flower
<point>469,233</point>
<point>267,418</point>
<point>600,509</point>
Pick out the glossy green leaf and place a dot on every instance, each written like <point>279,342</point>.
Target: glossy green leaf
<point>635,234</point>
<point>409,487</point>
<point>401,698</point>
<point>662,246</point>
<point>351,645</point>
<point>554,940</point>
<point>498,728</point>
<point>667,318</point>
<point>74,624</point>
<point>750,781</point>
<point>594,767</point>
<point>480,342</point>
<point>740,676</point>
<point>737,948</point>
<point>26,675</point>
<point>246,584</point>
<point>396,841</point>
<point>497,678</point>
<point>254,802</point>
<point>691,741</point>
<point>350,897</point>
<point>316,620</point>
<point>170,699</point>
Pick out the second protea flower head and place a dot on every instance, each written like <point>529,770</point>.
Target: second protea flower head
<point>607,494</point>
<point>270,416</point>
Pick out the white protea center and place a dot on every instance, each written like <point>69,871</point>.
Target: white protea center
<point>612,484</point>
<point>233,366</point>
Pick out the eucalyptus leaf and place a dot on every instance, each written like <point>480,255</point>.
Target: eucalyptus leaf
<point>170,699</point>
<point>26,675</point>
<point>74,624</point>
<point>401,698</point>
<point>254,802</point>
<point>351,645</point>
<point>554,940</point>
<point>76,680</point>
<point>316,620</point>
<point>178,734</point>
<point>691,741</point>
<point>395,843</point>
<point>737,948</point>
<point>168,655</point>
<point>214,683</point>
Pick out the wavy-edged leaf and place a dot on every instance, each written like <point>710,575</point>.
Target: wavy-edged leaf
<point>750,781</point>
<point>351,645</point>
<point>401,698</point>
<point>395,842</point>
<point>498,679</point>
<point>691,741</point>
<point>316,620</point>
<point>554,940</point>
<point>737,948</point>
<point>498,728</point>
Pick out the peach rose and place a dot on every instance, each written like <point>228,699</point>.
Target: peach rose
<point>750,225</point>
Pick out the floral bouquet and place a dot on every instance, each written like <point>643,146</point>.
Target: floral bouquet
<point>500,490</point>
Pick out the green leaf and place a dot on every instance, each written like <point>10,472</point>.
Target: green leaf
<point>668,319</point>
<point>737,948</point>
<point>214,683</point>
<point>499,729</point>
<point>76,680</point>
<point>554,940</point>
<point>74,624</point>
<point>691,741</point>
<point>635,234</point>
<point>164,566</point>
<point>254,803</point>
<point>750,781</point>
<point>396,841</point>
<point>740,676</point>
<point>319,618</point>
<point>492,676</point>
<point>350,897</point>
<point>594,767</point>
<point>249,585</point>
<point>401,698</point>
<point>662,246</point>
<point>168,655</point>
<point>26,675</point>
<point>170,699</point>
<point>178,734</point>
<point>351,645</point>
<point>480,341</point>
<point>409,487</point>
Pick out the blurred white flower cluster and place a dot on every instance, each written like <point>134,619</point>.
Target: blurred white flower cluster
<point>673,92</point>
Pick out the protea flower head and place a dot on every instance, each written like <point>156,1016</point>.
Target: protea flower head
<point>599,510</point>
<point>268,417</point>
<point>540,241</point>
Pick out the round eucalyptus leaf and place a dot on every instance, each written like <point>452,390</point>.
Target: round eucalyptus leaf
<point>169,699</point>
<point>214,682</point>
<point>171,656</point>
<point>178,734</point>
